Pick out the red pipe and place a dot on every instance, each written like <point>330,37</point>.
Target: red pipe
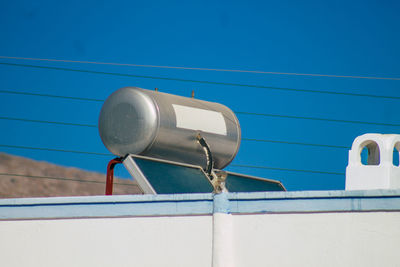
<point>110,175</point>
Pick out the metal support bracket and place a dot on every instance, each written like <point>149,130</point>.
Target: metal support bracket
<point>218,181</point>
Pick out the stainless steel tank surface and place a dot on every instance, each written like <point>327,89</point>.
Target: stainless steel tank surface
<point>150,123</point>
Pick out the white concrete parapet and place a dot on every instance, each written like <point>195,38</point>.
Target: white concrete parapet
<point>315,228</point>
<point>379,172</point>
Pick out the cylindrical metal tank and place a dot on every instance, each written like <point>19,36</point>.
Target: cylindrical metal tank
<point>150,123</point>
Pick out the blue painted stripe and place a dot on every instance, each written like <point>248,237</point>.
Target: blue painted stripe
<point>200,204</point>
<point>315,205</point>
<point>315,201</point>
<point>317,194</point>
<point>106,209</point>
<point>105,199</point>
<point>106,206</point>
<point>221,203</point>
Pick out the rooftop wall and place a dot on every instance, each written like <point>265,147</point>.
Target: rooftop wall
<point>331,228</point>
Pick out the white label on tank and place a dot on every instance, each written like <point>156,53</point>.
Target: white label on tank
<point>199,119</point>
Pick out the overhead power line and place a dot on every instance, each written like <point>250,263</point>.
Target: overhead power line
<point>103,154</point>
<point>284,169</point>
<point>237,112</point>
<point>108,154</point>
<point>317,119</point>
<point>205,69</point>
<point>244,139</point>
<point>202,81</point>
<point>294,143</point>
<point>62,179</point>
<point>48,122</point>
<point>56,150</point>
<point>50,95</point>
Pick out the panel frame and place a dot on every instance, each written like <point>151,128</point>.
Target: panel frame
<point>137,174</point>
<point>257,178</point>
<point>141,178</point>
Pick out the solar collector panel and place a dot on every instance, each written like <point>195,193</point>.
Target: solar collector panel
<point>156,176</point>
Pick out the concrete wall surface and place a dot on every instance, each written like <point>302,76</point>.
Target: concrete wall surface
<point>149,241</point>
<point>330,228</point>
<point>318,239</point>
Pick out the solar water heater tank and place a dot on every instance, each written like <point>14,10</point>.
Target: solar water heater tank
<point>154,124</point>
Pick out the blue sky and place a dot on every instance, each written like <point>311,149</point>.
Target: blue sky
<point>357,38</point>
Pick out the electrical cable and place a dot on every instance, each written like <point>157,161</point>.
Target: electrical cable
<point>294,143</point>
<point>195,81</point>
<point>201,81</point>
<point>317,119</point>
<point>62,179</point>
<point>284,169</point>
<point>56,150</point>
<point>204,69</point>
<point>48,122</point>
<point>233,165</point>
<point>50,95</point>
<point>244,139</point>
<point>237,112</point>
<point>108,154</point>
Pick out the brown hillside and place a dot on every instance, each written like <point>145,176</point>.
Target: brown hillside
<point>13,186</point>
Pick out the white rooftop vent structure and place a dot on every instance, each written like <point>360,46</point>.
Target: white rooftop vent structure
<point>379,171</point>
